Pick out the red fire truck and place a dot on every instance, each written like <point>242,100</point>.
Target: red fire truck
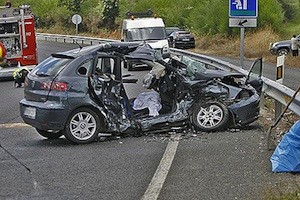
<point>17,35</point>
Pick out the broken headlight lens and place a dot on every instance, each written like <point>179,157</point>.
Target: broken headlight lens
<point>244,94</point>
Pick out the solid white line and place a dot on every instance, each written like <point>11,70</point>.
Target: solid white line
<point>161,173</point>
<point>14,125</point>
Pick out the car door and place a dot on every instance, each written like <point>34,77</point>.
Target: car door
<point>255,74</point>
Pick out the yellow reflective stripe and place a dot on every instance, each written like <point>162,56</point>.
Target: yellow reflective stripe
<point>1,51</point>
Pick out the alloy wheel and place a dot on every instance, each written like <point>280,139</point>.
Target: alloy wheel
<point>83,125</point>
<point>210,116</point>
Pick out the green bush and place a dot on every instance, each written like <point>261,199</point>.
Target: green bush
<point>205,17</point>
<point>271,14</point>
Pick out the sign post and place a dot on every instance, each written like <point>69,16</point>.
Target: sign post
<point>76,19</point>
<point>242,14</point>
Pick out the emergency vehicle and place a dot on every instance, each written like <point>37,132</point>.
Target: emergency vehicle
<point>145,27</point>
<point>17,39</point>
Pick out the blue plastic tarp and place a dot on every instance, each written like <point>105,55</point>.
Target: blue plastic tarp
<point>286,157</point>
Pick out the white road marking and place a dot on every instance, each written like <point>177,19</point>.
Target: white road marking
<point>162,171</point>
<point>14,125</point>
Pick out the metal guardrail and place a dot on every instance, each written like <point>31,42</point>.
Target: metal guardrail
<point>72,39</point>
<point>271,88</point>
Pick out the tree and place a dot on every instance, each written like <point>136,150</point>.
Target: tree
<point>290,8</point>
<point>109,13</point>
<point>72,5</point>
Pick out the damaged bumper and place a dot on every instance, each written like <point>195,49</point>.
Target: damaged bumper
<point>44,115</point>
<point>246,111</point>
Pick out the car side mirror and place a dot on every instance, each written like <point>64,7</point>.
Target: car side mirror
<point>171,38</point>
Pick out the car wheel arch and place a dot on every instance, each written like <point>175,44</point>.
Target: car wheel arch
<point>283,51</point>
<point>88,111</point>
<point>93,108</point>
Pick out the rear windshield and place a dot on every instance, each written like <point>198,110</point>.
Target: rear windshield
<point>51,66</point>
<point>183,32</point>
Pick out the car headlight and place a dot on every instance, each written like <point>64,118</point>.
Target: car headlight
<point>275,44</point>
<point>244,94</point>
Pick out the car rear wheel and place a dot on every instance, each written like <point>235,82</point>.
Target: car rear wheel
<point>82,126</point>
<point>210,116</point>
<point>50,134</point>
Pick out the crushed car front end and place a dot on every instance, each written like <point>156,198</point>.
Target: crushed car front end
<point>245,110</point>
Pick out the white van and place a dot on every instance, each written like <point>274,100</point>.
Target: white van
<point>148,29</point>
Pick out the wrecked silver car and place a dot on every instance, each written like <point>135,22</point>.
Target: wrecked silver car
<point>81,93</point>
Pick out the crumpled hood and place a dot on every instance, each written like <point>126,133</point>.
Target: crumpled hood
<point>210,74</point>
<point>142,52</point>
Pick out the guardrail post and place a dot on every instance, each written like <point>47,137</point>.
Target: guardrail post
<point>262,97</point>
<point>278,109</point>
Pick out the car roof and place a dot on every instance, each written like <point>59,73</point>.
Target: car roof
<point>121,47</point>
<point>172,28</point>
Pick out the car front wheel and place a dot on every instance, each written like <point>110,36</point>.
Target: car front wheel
<point>210,116</point>
<point>82,126</point>
<point>50,134</point>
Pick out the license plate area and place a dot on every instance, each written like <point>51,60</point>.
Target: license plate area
<point>30,112</point>
<point>185,39</point>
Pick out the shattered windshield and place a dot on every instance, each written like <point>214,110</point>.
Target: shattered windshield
<point>154,33</point>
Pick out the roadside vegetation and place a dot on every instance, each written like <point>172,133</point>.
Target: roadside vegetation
<point>207,20</point>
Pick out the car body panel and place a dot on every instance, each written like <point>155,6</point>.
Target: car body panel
<point>93,79</point>
<point>170,30</point>
<point>276,47</point>
<point>182,39</point>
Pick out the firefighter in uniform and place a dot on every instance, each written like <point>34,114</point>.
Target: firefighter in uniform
<point>19,76</point>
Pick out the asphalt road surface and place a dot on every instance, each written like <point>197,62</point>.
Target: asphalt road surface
<point>227,165</point>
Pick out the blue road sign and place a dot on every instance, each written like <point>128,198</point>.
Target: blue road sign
<point>243,8</point>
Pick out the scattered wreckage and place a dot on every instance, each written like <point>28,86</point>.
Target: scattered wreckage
<point>81,93</point>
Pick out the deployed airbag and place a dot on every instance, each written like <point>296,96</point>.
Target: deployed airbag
<point>150,100</point>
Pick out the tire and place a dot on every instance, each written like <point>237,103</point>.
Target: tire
<point>283,52</point>
<point>82,126</point>
<point>210,116</point>
<point>50,134</point>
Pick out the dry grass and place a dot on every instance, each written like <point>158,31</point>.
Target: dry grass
<point>268,118</point>
<point>256,45</point>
